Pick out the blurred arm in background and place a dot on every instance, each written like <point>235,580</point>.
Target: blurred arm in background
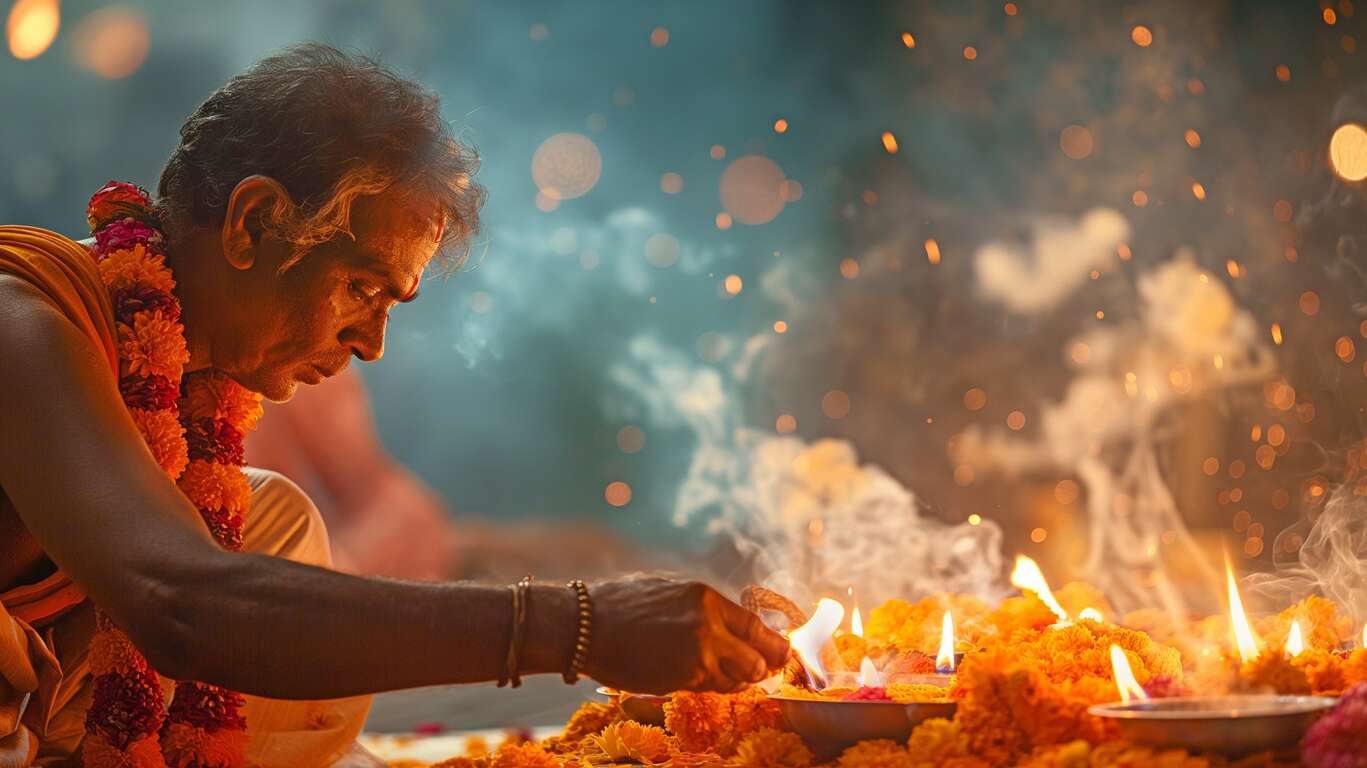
<point>384,521</point>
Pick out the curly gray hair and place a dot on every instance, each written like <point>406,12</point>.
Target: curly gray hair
<point>330,127</point>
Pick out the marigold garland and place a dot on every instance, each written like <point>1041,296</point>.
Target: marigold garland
<point>128,725</point>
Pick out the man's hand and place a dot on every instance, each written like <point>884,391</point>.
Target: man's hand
<point>655,636</point>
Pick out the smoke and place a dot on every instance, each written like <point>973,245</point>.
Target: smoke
<point>808,516</point>
<point>1062,256</point>
<point>1187,341</point>
<point>1331,561</point>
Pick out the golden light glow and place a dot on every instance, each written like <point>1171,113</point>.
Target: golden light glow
<point>1198,190</point>
<point>1283,73</point>
<point>1076,142</point>
<point>1193,138</point>
<point>785,423</point>
<point>869,675</point>
<point>780,326</point>
<point>566,166</point>
<point>780,126</point>
<point>1364,635</point>
<point>752,189</point>
<point>1277,334</point>
<point>1027,576</point>
<point>808,639</point>
<point>112,42</point>
<point>1244,639</point>
<point>1348,152</point>
<point>733,284</point>
<point>1125,684</point>
<point>1090,614</point>
<point>908,40</point>
<point>31,27</point>
<point>944,659</point>
<point>932,251</point>
<point>889,142</point>
<point>977,519</point>
<point>618,494</point>
<point>1141,36</point>
<point>1295,641</point>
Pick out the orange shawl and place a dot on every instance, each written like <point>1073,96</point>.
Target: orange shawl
<point>63,270</point>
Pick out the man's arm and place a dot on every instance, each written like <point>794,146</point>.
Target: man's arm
<point>77,470</point>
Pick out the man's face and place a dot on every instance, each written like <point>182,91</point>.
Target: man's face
<point>304,325</point>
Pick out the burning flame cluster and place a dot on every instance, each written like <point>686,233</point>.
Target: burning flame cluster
<point>808,640</point>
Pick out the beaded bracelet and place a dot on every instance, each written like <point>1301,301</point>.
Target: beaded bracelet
<point>581,639</point>
<point>512,662</point>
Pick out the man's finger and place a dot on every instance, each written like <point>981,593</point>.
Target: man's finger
<point>748,627</point>
<point>740,660</point>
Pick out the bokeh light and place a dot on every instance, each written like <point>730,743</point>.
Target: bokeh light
<point>617,493</point>
<point>31,27</point>
<point>1142,36</point>
<point>662,250</point>
<point>671,183</point>
<point>566,166</point>
<point>835,404</point>
<point>631,439</point>
<point>1348,152</point>
<point>112,41</point>
<point>1076,142</point>
<point>752,189</point>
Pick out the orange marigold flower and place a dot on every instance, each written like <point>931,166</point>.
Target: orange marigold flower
<point>212,395</point>
<point>185,744</point>
<point>590,718</point>
<point>136,266</point>
<point>771,748</point>
<point>165,437</point>
<point>693,760</point>
<point>210,485</point>
<point>112,651</point>
<point>1272,671</point>
<point>523,756</point>
<point>153,345</point>
<point>1355,668</point>
<point>697,720</point>
<point>850,649</point>
<point>626,742</point>
<point>906,693</point>
<point>876,753</point>
<point>454,762</point>
<point>476,745</point>
<point>1323,627</point>
<point>97,752</point>
<point>936,741</point>
<point>1323,669</point>
<point>751,710</point>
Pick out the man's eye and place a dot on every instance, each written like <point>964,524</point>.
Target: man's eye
<point>362,291</point>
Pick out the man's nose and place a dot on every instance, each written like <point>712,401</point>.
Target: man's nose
<point>366,340</point>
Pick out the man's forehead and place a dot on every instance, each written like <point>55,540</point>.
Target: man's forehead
<point>397,236</point>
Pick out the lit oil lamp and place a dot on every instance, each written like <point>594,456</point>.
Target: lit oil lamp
<point>1028,577</point>
<point>1295,641</point>
<point>829,725</point>
<point>1235,724</point>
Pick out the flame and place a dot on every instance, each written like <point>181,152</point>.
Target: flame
<point>1090,614</point>
<point>1124,677</point>
<point>808,639</point>
<point>869,676</point>
<point>31,27</point>
<point>1243,633</point>
<point>944,660</point>
<point>856,621</point>
<point>1027,575</point>
<point>1295,642</point>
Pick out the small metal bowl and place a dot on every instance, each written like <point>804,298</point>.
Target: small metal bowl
<point>644,708</point>
<point>1227,725</point>
<point>829,727</point>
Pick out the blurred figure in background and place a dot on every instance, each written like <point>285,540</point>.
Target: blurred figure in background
<point>384,521</point>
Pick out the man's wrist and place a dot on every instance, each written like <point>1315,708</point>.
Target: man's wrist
<point>551,626</point>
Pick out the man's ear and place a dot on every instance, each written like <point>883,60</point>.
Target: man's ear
<point>251,200</point>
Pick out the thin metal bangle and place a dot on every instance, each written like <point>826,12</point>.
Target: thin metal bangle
<point>583,633</point>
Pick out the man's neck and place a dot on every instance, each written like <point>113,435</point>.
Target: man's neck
<point>192,268</point>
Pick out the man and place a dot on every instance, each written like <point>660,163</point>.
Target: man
<point>306,198</point>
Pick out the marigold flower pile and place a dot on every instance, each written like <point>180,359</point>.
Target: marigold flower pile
<point>1023,690</point>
